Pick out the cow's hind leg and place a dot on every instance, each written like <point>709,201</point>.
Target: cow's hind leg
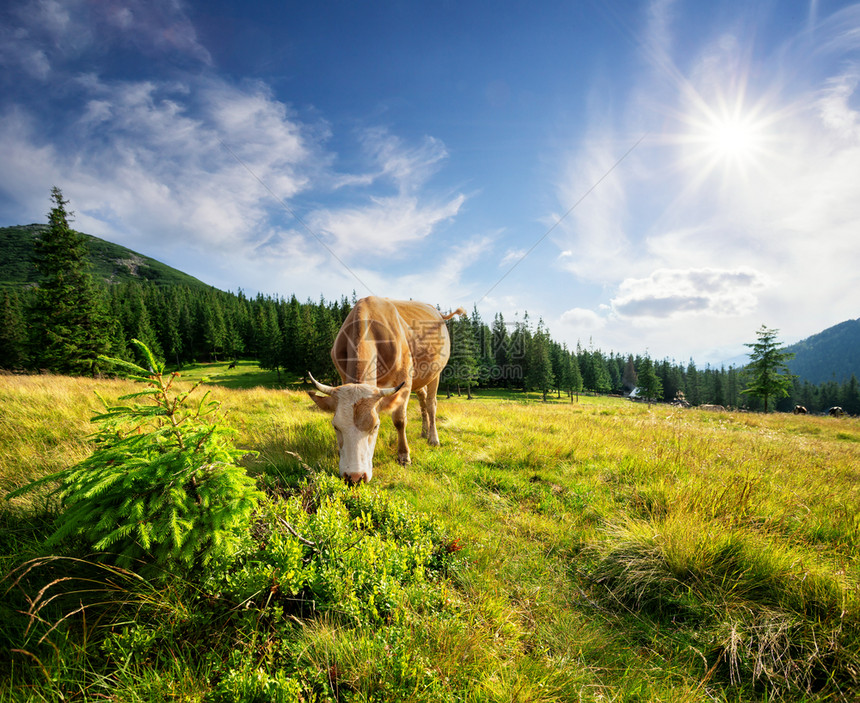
<point>427,397</point>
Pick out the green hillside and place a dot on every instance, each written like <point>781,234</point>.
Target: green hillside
<point>831,355</point>
<point>111,263</point>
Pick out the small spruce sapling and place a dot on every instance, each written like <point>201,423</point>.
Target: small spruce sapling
<point>162,486</point>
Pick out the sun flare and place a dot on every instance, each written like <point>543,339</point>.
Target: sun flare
<point>729,138</point>
<point>733,140</point>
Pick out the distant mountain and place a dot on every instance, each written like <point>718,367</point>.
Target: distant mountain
<point>111,263</point>
<point>831,355</point>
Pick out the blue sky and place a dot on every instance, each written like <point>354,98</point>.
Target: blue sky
<point>659,176</point>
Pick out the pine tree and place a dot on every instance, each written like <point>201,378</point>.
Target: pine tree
<point>136,321</point>
<point>169,329</point>
<point>614,372</point>
<point>849,398</point>
<point>13,332</point>
<point>718,397</point>
<point>163,485</point>
<point>767,371</point>
<point>576,377</point>
<point>540,365</point>
<point>290,320</point>
<point>562,368</point>
<point>483,347</point>
<point>520,342</point>
<point>68,322</point>
<point>649,381</point>
<point>308,340</point>
<point>693,384</point>
<point>629,379</point>
<point>214,327</point>
<point>501,350</point>
<point>462,369</point>
<point>595,376</point>
<point>326,328</point>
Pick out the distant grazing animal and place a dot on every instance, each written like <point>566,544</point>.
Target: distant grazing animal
<point>385,350</point>
<point>713,408</point>
<point>680,400</point>
<point>232,366</point>
<point>800,410</point>
<point>836,411</point>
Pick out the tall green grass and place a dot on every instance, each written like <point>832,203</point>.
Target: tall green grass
<point>596,551</point>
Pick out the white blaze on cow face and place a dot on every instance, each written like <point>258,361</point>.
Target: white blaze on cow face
<point>356,423</point>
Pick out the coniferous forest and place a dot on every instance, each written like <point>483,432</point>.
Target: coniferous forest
<point>69,319</point>
<point>186,325</point>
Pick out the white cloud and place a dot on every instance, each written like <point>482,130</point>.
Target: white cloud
<point>670,293</point>
<point>592,237</point>
<point>835,110</point>
<point>153,162</point>
<point>512,256</point>
<point>143,161</point>
<point>29,168</point>
<point>47,34</point>
<point>408,167</point>
<point>441,280</point>
<point>582,320</point>
<point>384,225</point>
<point>151,165</point>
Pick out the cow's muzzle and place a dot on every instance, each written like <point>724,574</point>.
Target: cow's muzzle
<point>356,478</point>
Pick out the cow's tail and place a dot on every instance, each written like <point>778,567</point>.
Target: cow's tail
<point>458,311</point>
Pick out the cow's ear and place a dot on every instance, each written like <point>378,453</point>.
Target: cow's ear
<point>386,402</point>
<point>324,402</point>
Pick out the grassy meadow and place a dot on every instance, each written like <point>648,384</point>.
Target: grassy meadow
<point>599,550</point>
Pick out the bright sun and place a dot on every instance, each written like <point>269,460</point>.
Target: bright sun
<point>729,138</point>
<point>736,140</point>
<point>733,138</point>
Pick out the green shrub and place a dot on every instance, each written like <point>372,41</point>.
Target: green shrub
<point>162,485</point>
<point>334,548</point>
<point>256,686</point>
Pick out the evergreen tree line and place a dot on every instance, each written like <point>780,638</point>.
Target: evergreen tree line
<point>520,356</point>
<point>186,325</point>
<point>68,321</point>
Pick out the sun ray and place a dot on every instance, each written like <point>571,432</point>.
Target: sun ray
<point>726,137</point>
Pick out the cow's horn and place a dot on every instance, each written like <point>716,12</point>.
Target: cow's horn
<point>383,392</point>
<point>321,387</point>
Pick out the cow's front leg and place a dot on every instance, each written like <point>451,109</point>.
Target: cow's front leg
<point>399,417</point>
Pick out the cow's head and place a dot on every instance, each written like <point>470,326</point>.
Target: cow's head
<point>356,421</point>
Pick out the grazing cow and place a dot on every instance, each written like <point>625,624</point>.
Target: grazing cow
<point>836,411</point>
<point>385,350</point>
<point>713,408</point>
<point>800,410</point>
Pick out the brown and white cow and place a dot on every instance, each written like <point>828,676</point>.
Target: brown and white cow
<point>385,350</point>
